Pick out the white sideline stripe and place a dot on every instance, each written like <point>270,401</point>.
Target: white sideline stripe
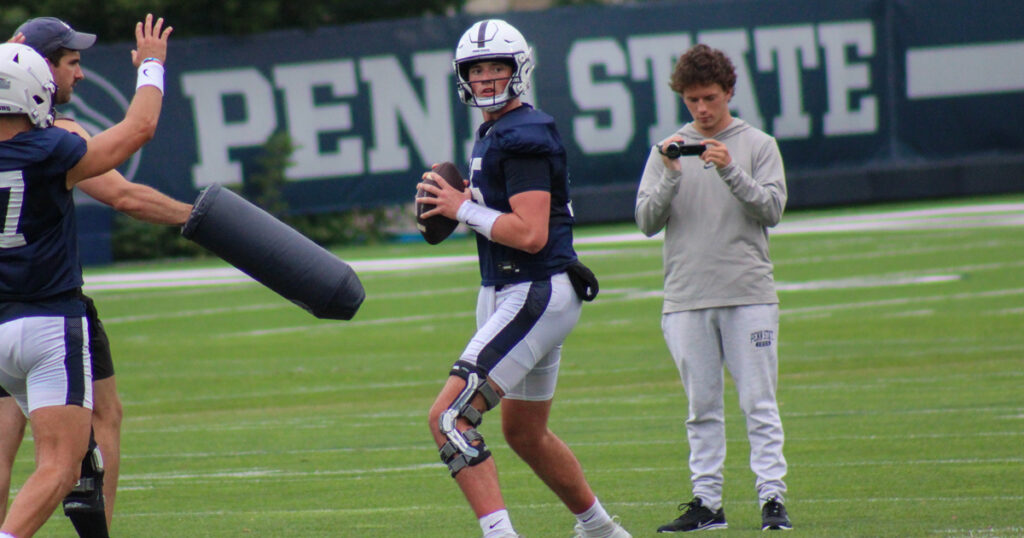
<point>1012,208</point>
<point>962,70</point>
<point>977,215</point>
<point>220,276</point>
<point>969,216</point>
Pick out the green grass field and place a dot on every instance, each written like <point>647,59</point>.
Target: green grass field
<point>901,390</point>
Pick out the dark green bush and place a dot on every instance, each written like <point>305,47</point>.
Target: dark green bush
<point>135,240</point>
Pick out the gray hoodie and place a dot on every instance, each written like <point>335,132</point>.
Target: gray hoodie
<point>716,221</point>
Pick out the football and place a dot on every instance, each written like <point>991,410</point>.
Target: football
<point>437,228</point>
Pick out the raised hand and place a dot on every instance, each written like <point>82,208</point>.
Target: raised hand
<point>151,40</point>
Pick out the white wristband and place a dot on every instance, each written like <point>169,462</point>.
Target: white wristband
<point>151,74</point>
<point>479,218</point>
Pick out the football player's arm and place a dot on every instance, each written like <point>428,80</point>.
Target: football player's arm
<point>112,147</point>
<point>138,201</point>
<point>526,227</point>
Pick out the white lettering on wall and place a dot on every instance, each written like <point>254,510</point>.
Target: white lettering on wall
<point>787,51</point>
<point>308,120</point>
<point>653,58</point>
<point>382,114</point>
<point>735,44</point>
<point>609,95</point>
<point>844,116</point>
<point>215,135</point>
<point>393,99</point>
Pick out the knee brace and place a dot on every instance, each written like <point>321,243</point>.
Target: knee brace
<point>459,452</point>
<point>84,505</point>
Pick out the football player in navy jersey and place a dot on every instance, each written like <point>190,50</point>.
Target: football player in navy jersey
<point>44,349</point>
<point>518,204</point>
<point>61,46</point>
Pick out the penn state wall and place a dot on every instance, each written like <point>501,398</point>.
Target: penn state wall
<point>870,100</point>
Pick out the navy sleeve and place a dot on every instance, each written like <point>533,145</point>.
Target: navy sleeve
<point>527,173</point>
<point>529,138</point>
<point>69,149</point>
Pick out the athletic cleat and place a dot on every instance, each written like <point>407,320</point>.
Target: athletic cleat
<point>697,517</point>
<point>611,530</point>
<point>774,517</point>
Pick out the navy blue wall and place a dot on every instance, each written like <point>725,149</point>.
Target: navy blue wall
<point>870,100</point>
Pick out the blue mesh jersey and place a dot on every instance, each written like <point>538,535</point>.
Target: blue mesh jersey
<point>520,152</point>
<point>39,267</point>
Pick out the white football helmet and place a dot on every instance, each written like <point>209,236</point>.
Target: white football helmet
<point>492,39</point>
<point>26,84</point>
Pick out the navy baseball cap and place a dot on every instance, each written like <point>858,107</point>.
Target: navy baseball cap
<point>47,34</point>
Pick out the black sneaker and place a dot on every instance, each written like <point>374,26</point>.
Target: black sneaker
<point>697,517</point>
<point>774,517</point>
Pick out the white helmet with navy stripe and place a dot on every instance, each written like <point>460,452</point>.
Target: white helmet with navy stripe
<point>494,40</point>
<point>26,84</point>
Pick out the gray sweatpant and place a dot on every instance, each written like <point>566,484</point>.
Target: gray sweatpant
<point>745,340</point>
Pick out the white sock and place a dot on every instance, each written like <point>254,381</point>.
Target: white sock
<point>595,518</point>
<point>496,524</point>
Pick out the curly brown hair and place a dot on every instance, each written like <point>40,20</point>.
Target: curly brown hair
<point>703,66</point>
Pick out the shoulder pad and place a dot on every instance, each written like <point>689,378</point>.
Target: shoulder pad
<point>40,145</point>
<point>533,132</point>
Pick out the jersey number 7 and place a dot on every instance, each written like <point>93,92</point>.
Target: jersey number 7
<point>14,183</point>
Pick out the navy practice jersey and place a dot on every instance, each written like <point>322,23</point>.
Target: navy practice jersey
<point>520,152</point>
<point>39,267</point>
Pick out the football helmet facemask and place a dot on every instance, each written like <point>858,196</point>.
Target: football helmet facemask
<point>493,40</point>
<point>26,84</point>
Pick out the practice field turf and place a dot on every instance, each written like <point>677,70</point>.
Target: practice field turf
<point>901,390</point>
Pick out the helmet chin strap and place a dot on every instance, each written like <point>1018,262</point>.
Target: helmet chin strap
<point>493,107</point>
<point>497,101</point>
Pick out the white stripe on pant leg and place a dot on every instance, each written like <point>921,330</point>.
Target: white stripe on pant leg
<point>47,381</point>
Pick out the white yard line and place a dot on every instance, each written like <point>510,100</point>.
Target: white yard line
<point>452,506</point>
<point>968,216</point>
<point>258,474</point>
